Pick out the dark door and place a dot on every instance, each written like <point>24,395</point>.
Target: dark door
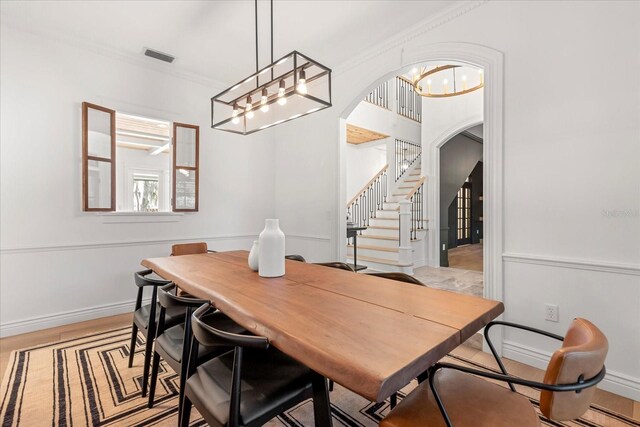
<point>464,214</point>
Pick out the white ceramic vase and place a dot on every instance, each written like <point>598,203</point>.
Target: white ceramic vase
<point>271,250</point>
<point>254,256</point>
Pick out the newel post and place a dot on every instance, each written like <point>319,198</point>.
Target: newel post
<point>405,254</point>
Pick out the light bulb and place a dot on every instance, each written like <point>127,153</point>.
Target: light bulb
<point>302,83</point>
<point>235,120</point>
<point>445,81</point>
<point>249,115</point>
<point>282,101</point>
<point>264,96</point>
<point>249,104</point>
<point>236,111</point>
<point>414,71</point>
<point>281,89</point>
<point>464,78</point>
<point>264,108</point>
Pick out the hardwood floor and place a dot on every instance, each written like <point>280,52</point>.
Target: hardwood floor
<point>605,399</point>
<point>468,257</point>
<point>74,330</point>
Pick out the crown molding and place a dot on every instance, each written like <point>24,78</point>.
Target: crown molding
<point>409,34</point>
<point>134,59</point>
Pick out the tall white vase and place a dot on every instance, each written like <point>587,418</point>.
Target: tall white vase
<point>253,256</point>
<point>271,250</point>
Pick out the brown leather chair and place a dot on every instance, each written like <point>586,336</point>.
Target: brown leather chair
<point>189,249</point>
<point>170,340</point>
<point>338,265</point>
<point>401,277</point>
<point>249,385</point>
<point>453,397</point>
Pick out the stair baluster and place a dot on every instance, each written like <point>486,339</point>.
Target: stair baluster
<point>364,205</point>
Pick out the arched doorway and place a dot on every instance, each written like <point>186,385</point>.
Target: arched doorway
<point>492,62</point>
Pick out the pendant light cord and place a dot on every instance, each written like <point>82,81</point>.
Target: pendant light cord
<point>272,39</point>
<point>256,16</point>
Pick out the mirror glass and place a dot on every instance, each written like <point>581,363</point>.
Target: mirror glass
<point>185,189</point>
<point>99,133</point>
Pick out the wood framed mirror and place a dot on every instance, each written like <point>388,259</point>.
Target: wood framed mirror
<point>98,158</point>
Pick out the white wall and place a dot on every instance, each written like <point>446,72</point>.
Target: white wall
<point>571,150</point>
<point>69,265</point>
<point>364,161</point>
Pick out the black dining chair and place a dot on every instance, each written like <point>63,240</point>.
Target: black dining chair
<point>338,265</point>
<point>295,258</point>
<point>400,277</point>
<point>145,320</point>
<point>170,341</point>
<point>249,385</point>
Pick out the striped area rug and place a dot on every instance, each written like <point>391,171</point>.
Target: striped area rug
<point>86,382</point>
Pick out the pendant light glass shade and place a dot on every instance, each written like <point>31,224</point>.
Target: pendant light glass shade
<point>290,87</point>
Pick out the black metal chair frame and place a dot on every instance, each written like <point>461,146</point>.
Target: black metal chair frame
<point>141,282</point>
<point>400,277</point>
<point>577,387</point>
<point>239,342</point>
<point>295,258</point>
<point>337,264</point>
<point>166,300</point>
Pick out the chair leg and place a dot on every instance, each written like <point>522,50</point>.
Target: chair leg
<point>330,385</point>
<point>394,400</point>
<point>321,403</point>
<point>132,345</point>
<point>147,362</point>
<point>154,378</point>
<point>185,414</point>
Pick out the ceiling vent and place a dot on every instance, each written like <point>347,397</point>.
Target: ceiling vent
<point>159,55</point>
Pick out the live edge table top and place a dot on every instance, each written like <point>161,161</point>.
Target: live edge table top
<point>369,334</point>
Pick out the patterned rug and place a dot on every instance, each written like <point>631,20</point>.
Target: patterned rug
<point>86,382</point>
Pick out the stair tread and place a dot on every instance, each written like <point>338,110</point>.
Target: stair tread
<point>375,236</point>
<point>385,219</point>
<point>375,248</point>
<point>380,260</point>
<point>384,227</point>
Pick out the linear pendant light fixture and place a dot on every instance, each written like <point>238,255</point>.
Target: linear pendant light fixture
<point>290,87</point>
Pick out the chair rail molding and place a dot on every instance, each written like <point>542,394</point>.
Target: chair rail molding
<point>105,245</point>
<point>573,263</point>
<point>492,61</point>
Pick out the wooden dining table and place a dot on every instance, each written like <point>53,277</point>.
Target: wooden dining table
<point>369,334</point>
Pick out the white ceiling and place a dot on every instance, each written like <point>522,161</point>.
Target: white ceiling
<point>215,39</point>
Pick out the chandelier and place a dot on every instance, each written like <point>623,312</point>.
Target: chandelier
<point>288,88</point>
<point>449,88</point>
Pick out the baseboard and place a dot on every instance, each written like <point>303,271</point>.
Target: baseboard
<point>64,318</point>
<point>615,382</point>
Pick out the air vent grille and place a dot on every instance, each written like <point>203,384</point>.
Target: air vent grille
<point>159,55</point>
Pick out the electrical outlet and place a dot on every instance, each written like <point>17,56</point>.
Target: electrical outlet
<point>551,312</point>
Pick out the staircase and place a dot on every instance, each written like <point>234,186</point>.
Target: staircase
<point>379,246</point>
